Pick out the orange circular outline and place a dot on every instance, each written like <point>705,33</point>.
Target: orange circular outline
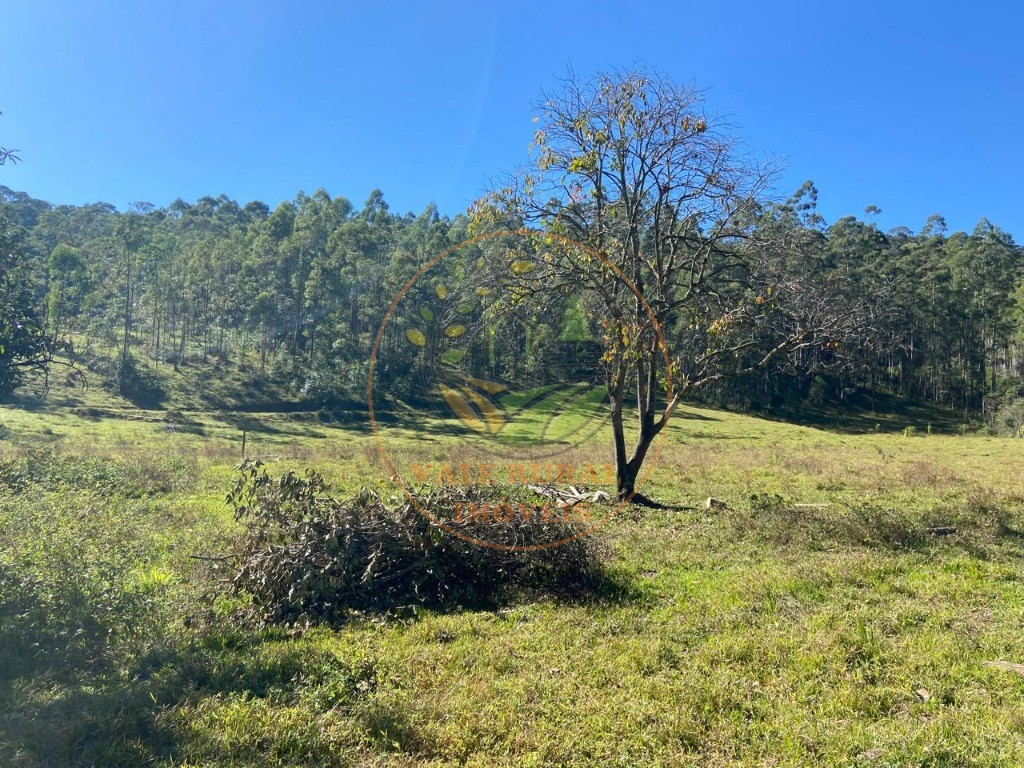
<point>373,365</point>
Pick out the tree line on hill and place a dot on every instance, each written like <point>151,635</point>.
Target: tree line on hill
<point>299,291</point>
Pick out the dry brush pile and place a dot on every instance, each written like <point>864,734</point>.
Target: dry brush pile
<point>305,557</point>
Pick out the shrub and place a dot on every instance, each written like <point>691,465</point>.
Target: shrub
<point>321,386</point>
<point>139,384</point>
<point>817,393</point>
<point>76,580</point>
<point>53,471</point>
<point>306,557</point>
<point>1009,419</point>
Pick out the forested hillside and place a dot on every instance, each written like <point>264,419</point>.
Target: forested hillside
<point>297,292</point>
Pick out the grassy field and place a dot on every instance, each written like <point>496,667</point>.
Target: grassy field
<point>829,615</point>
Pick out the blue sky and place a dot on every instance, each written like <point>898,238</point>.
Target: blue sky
<point>914,107</point>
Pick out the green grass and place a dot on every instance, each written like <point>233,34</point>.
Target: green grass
<point>550,415</point>
<point>819,623</point>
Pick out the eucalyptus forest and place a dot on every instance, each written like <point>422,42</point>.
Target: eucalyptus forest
<point>298,290</point>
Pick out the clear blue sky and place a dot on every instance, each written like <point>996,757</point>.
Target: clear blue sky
<point>913,107</point>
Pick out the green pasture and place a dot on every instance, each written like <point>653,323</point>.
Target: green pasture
<point>841,609</point>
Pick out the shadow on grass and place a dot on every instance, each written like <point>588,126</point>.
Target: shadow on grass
<point>206,697</point>
<point>132,716</point>
<point>687,415</point>
<point>864,413</point>
<point>603,586</point>
<point>299,423</point>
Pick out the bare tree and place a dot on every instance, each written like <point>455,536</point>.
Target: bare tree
<point>697,280</point>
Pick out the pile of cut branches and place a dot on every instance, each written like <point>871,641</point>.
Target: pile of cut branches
<point>306,557</point>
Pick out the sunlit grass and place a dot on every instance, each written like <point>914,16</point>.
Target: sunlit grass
<point>825,627</point>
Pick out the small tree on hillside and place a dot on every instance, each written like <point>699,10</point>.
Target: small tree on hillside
<point>24,346</point>
<point>702,281</point>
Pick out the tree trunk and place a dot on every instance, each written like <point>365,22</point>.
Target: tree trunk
<point>625,478</point>
<point>125,346</point>
<point>627,471</point>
